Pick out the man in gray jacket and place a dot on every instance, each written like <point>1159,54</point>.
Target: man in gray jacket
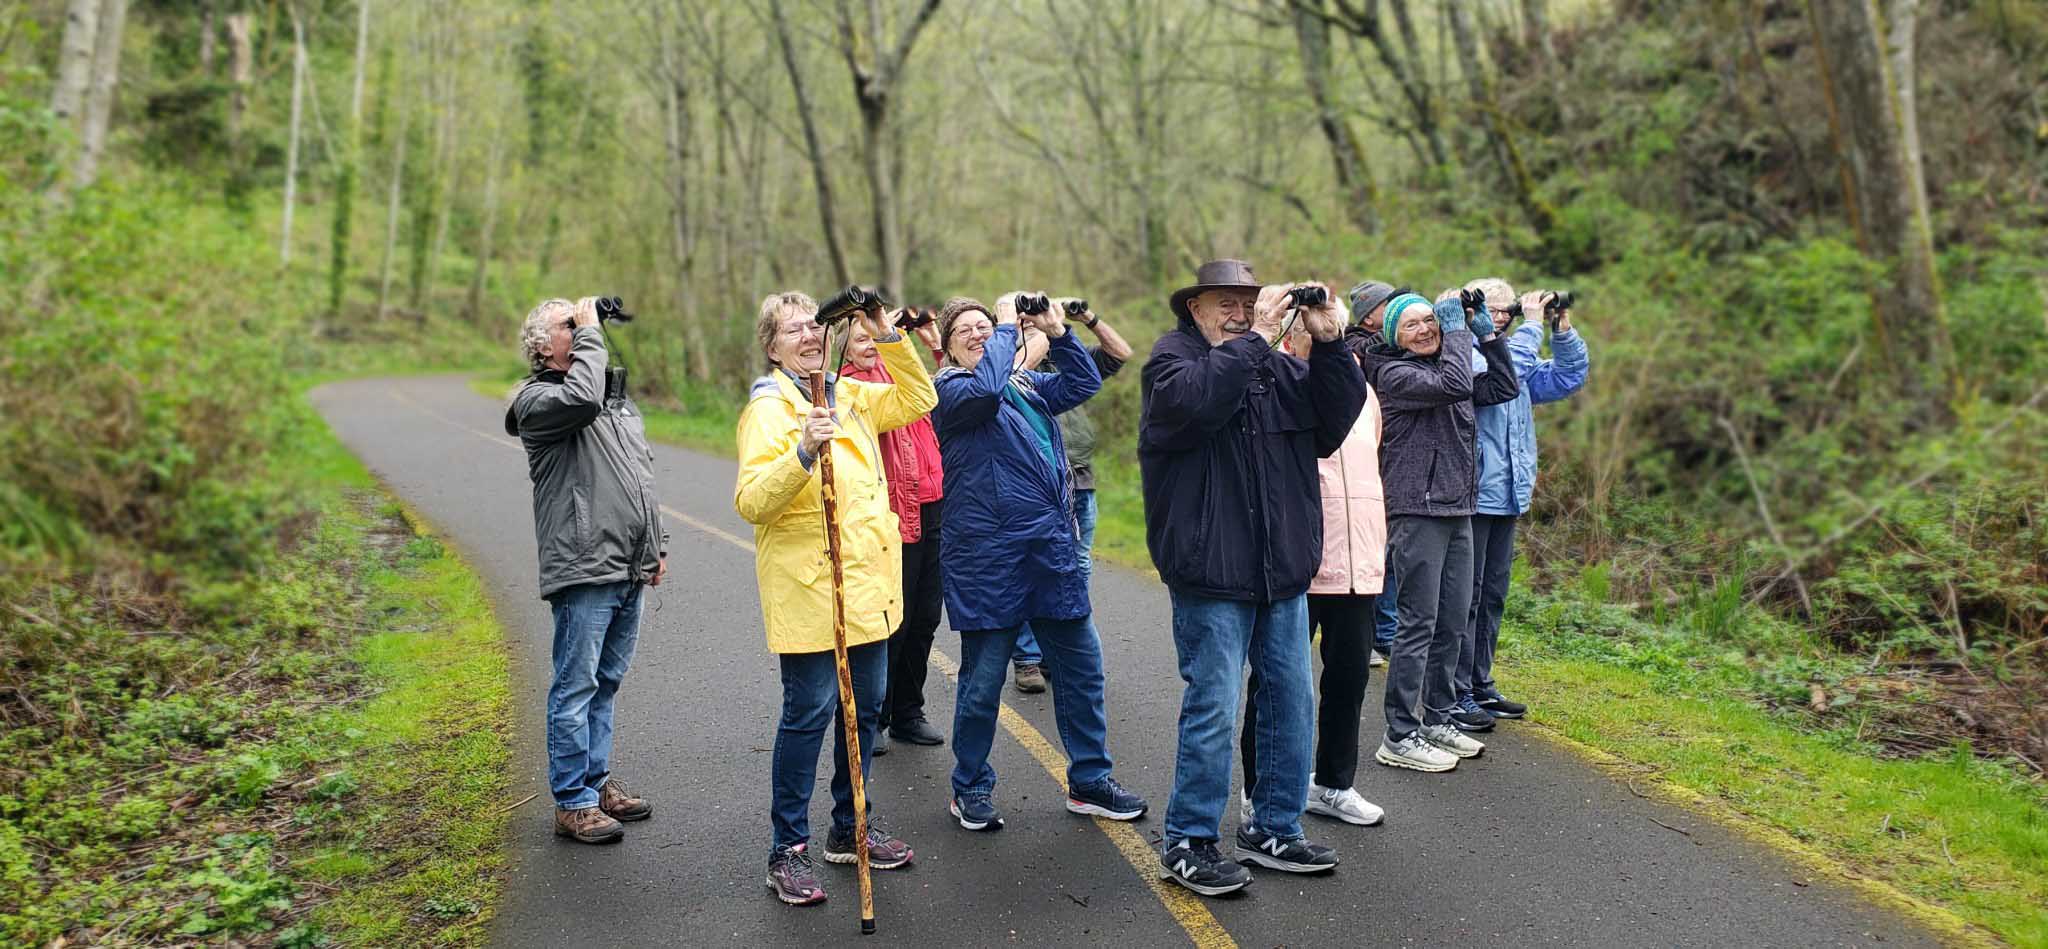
<point>599,530</point>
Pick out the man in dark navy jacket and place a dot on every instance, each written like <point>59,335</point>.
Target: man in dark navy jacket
<point>1233,516</point>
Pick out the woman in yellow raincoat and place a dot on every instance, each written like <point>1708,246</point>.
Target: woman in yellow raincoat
<point>781,435</point>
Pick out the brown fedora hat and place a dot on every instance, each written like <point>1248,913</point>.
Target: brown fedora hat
<point>1225,274</point>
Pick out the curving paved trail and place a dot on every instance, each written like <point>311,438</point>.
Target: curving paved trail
<point>1525,846</point>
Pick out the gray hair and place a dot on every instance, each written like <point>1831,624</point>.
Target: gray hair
<point>539,328</point>
<point>1498,292</point>
<point>776,307</point>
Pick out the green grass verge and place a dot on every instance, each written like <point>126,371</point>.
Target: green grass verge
<point>1958,843</point>
<point>420,859</point>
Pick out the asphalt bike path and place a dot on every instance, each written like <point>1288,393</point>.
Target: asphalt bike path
<point>1525,845</point>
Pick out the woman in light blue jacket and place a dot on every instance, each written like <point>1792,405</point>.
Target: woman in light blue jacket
<point>1507,478</point>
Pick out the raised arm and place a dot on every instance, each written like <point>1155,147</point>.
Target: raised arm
<point>1336,389</point>
<point>1554,379</point>
<point>968,400</point>
<point>552,412</point>
<point>1077,380</point>
<point>1187,397</point>
<point>1498,383</point>
<point>1406,384</point>
<point>906,400</point>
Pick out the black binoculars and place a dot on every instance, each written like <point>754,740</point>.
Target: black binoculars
<point>1077,309</point>
<point>1472,300</point>
<point>1558,303</point>
<point>912,318</point>
<point>1032,304</point>
<point>846,304</point>
<point>612,310</point>
<point>1309,296</point>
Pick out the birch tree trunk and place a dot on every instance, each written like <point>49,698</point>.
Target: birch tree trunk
<point>1869,101</point>
<point>681,132</point>
<point>241,66</point>
<point>391,216</point>
<point>483,251</point>
<point>876,64</point>
<point>99,103</point>
<point>74,60</point>
<point>291,159</point>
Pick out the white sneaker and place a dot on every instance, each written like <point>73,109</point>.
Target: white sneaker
<point>1414,754</point>
<point>1244,809</point>
<point>1344,804</point>
<point>1378,658</point>
<point>1449,738</point>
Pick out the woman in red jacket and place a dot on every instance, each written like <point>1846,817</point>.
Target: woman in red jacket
<point>910,458</point>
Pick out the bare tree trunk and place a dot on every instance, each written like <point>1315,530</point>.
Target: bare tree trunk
<point>1878,145</point>
<point>1536,21</point>
<point>291,158</point>
<point>1354,178</point>
<point>1500,139</point>
<point>1903,16</point>
<point>99,104</point>
<point>355,100</point>
<point>1401,55</point>
<point>392,205</point>
<point>483,250</point>
<point>241,67</point>
<point>681,132</point>
<point>74,61</point>
<point>876,64</point>
<point>828,216</point>
<point>209,39</point>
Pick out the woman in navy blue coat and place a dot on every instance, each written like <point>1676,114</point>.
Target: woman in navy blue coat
<point>1011,550</point>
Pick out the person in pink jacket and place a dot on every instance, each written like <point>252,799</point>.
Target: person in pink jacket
<point>1340,603</point>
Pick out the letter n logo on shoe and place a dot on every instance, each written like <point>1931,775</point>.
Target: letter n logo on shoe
<point>1183,869</point>
<point>1273,845</point>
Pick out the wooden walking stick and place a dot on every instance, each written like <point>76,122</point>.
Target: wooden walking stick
<point>848,711</point>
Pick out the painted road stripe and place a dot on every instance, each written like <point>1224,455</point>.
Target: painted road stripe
<point>1186,908</point>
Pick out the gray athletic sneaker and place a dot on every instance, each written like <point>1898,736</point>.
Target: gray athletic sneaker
<point>1413,753</point>
<point>1449,738</point>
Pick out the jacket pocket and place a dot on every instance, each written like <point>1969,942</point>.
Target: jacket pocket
<point>586,535</point>
<point>1430,493</point>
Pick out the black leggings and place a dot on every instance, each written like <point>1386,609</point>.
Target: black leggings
<point>1347,623</point>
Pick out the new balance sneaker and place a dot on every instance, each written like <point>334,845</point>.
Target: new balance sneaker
<point>1452,740</point>
<point>1415,754</point>
<point>1498,706</point>
<point>1469,717</point>
<point>1344,804</point>
<point>1106,799</point>
<point>885,852</point>
<point>976,812</point>
<point>1292,854</point>
<point>1197,866</point>
<point>791,877</point>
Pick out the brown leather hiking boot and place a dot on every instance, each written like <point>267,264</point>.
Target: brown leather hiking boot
<point>621,804</point>
<point>588,825</point>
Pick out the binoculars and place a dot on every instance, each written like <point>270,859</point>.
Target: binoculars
<point>1554,307</point>
<point>1472,300</point>
<point>1076,309</point>
<point>612,310</point>
<point>1310,296</point>
<point>846,304</point>
<point>1032,304</point>
<point>912,318</point>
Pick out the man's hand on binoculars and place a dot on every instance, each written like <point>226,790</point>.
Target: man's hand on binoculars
<point>1052,322</point>
<point>1324,322</point>
<point>1006,309</point>
<point>585,313</point>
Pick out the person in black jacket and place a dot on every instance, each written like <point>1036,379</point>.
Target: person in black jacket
<point>1227,447</point>
<point>1427,386</point>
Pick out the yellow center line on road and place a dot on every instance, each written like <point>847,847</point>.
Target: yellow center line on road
<point>1186,908</point>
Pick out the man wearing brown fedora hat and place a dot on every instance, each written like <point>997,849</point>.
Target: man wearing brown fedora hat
<point>1227,446</point>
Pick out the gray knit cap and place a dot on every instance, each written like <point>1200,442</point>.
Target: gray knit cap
<point>1366,296</point>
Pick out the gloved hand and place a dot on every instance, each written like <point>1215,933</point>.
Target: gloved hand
<point>1477,316</point>
<point>1450,315</point>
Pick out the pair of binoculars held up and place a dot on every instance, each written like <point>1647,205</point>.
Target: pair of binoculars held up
<point>847,304</point>
<point>1556,305</point>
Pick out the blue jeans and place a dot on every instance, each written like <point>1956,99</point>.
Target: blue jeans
<point>1073,667</point>
<point>1214,639</point>
<point>1027,652</point>
<point>810,704</point>
<point>1388,620</point>
<point>596,625</point>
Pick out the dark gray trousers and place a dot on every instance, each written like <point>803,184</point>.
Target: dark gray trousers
<point>1433,578</point>
<point>1493,562</point>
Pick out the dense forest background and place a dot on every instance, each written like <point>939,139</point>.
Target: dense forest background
<point>1810,240</point>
